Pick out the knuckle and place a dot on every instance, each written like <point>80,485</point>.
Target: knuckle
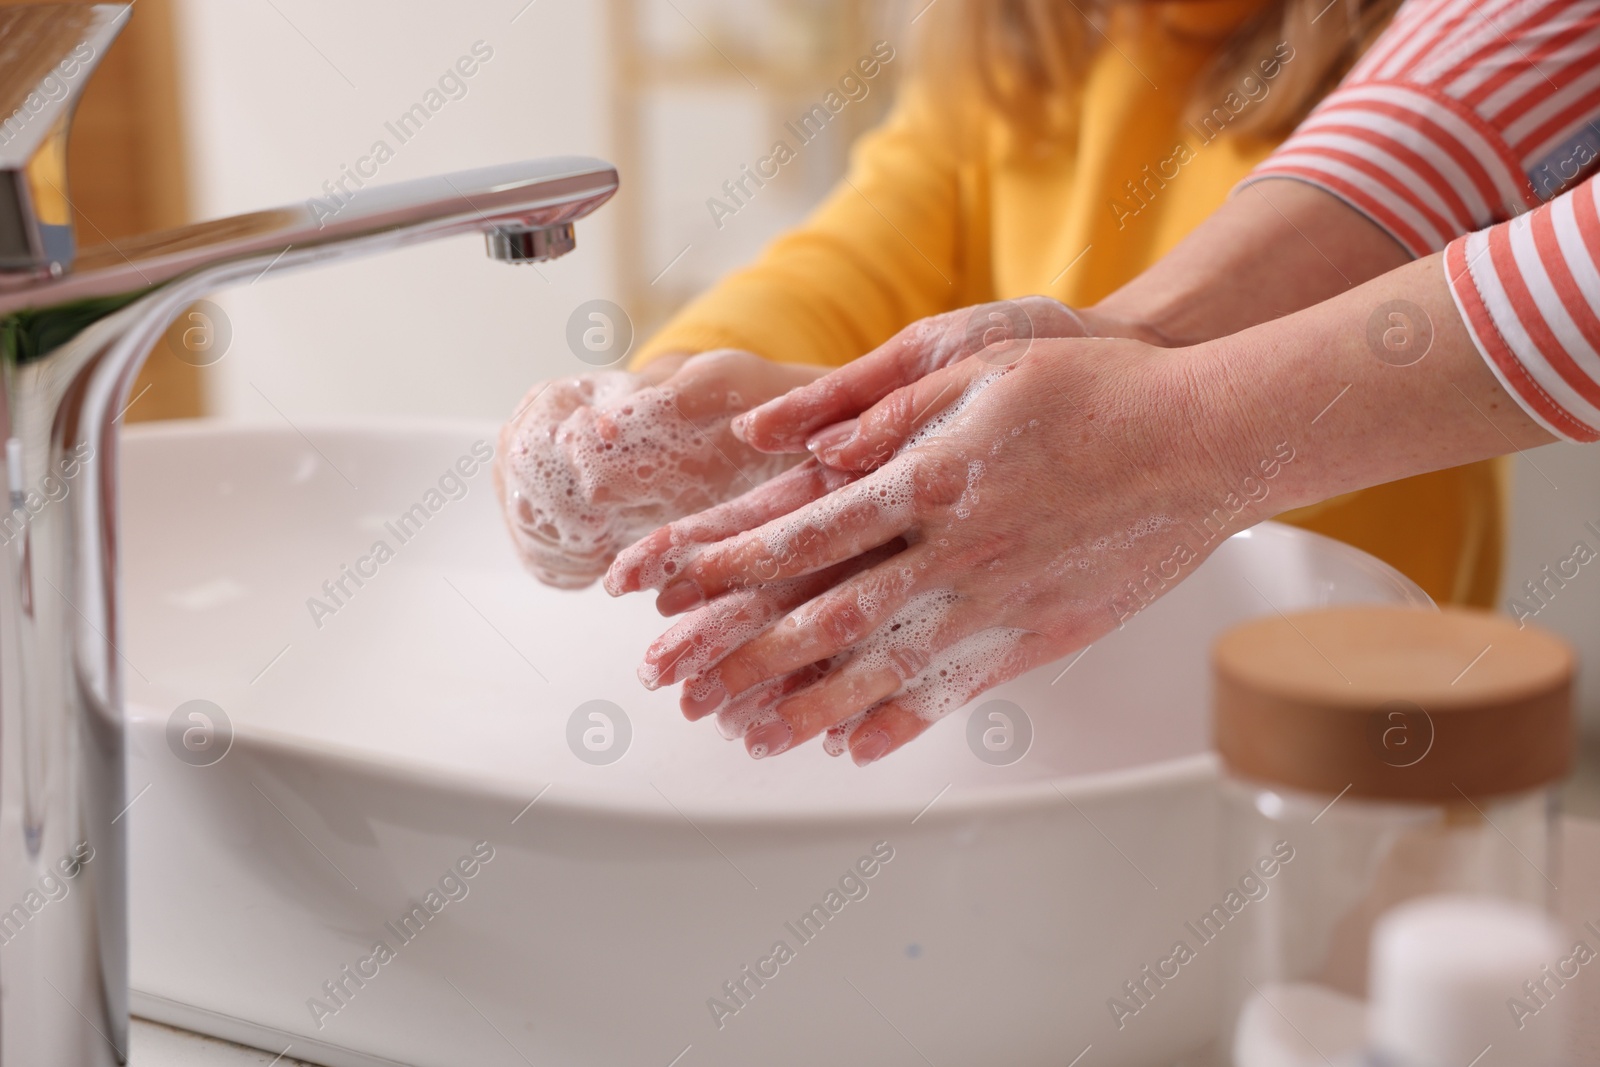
<point>893,416</point>
<point>907,662</point>
<point>939,477</point>
<point>842,624</point>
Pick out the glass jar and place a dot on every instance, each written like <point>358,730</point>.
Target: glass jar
<point>1372,755</point>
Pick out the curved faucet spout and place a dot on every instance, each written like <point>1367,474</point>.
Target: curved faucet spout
<point>72,338</point>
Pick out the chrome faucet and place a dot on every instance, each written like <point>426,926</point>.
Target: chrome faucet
<point>74,329</point>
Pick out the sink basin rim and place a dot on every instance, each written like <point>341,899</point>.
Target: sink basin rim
<point>1036,794</point>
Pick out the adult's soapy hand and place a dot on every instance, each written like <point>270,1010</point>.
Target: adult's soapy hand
<point>589,464</point>
<point>1016,505</point>
<point>999,333</point>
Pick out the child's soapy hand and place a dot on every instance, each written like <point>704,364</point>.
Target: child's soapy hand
<point>589,464</point>
<point>1021,509</point>
<point>998,333</point>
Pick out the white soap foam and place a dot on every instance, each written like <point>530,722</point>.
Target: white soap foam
<point>939,423</point>
<point>971,664</point>
<point>726,624</point>
<point>952,675</point>
<point>907,636</point>
<point>620,463</point>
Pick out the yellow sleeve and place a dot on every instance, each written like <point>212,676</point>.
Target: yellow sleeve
<point>881,251</point>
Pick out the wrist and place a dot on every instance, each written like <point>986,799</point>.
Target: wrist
<point>1110,319</point>
<point>1249,463</point>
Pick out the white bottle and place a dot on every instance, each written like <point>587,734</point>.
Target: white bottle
<point>1448,974</point>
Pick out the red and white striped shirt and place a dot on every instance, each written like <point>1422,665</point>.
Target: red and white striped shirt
<point>1468,113</point>
<point>1529,291</point>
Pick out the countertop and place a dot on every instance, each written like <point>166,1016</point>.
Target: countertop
<point>154,1045</point>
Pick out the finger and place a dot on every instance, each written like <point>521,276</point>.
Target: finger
<point>694,388</point>
<point>885,428</point>
<point>848,522</point>
<point>798,718</point>
<point>1006,326</point>
<point>706,636</point>
<point>749,712</point>
<point>662,367</point>
<point>721,383</point>
<point>545,405</point>
<point>841,616</point>
<point>973,666</point>
<point>870,737</point>
<point>538,540</point>
<point>903,650</point>
<point>736,715</point>
<point>784,423</point>
<point>703,386</point>
<point>657,559</point>
<point>702,695</point>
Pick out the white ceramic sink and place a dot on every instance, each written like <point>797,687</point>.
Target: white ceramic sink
<point>369,755</point>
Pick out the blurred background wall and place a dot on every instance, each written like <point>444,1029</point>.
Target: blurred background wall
<point>209,107</point>
<point>283,94</point>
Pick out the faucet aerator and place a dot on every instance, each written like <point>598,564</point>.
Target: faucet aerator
<point>530,244</point>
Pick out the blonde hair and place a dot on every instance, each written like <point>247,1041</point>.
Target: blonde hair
<point>1024,60</point>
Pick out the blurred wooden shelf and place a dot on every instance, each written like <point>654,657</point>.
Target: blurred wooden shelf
<point>126,175</point>
<point>838,33</point>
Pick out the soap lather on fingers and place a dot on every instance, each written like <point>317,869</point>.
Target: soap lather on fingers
<point>1003,526</point>
<point>589,464</point>
<point>1000,333</point>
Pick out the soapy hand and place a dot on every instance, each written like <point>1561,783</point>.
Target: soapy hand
<point>590,463</point>
<point>1018,505</point>
<point>998,333</point>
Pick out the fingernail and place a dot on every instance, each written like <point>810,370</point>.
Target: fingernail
<point>616,582</point>
<point>872,748</point>
<point>768,739</point>
<point>703,702</point>
<point>679,597</point>
<point>835,436</point>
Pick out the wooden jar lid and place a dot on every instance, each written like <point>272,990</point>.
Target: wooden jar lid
<point>1394,703</point>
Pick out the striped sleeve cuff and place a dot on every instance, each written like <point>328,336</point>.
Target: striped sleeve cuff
<point>1528,291</point>
<point>1419,164</point>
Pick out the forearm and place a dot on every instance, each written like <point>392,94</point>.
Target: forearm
<point>1354,416</point>
<point>1276,247</point>
<point>1412,137</point>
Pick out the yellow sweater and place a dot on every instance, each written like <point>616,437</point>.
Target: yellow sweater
<point>935,215</point>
